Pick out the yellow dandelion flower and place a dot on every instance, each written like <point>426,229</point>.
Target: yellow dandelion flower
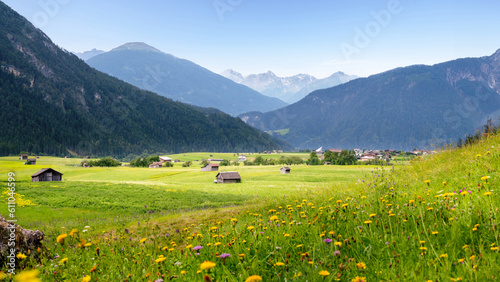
<point>73,232</point>
<point>143,240</point>
<point>488,193</point>
<point>60,238</point>
<point>21,256</point>
<point>368,221</point>
<point>207,265</point>
<point>422,242</point>
<point>253,278</point>
<point>484,178</point>
<point>63,261</point>
<point>434,232</point>
<point>361,265</point>
<point>373,215</point>
<point>324,273</point>
<point>279,264</point>
<point>339,244</point>
<point>86,278</point>
<point>443,256</point>
<point>250,228</point>
<point>160,259</point>
<point>30,275</point>
<point>358,279</point>
<point>427,181</point>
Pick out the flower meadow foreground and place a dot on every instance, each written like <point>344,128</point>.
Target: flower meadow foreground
<point>435,220</point>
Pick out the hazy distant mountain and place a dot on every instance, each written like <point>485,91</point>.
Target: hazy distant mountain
<point>271,85</point>
<point>331,81</point>
<point>289,89</point>
<point>54,103</point>
<point>416,106</point>
<point>233,75</point>
<point>88,54</point>
<point>150,69</point>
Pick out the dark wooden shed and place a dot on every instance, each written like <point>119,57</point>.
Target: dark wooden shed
<point>228,177</point>
<point>30,162</point>
<point>285,170</point>
<point>46,174</point>
<point>23,157</point>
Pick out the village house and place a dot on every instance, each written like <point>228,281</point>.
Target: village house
<point>23,157</point>
<point>228,177</point>
<point>30,162</point>
<point>46,174</point>
<point>285,170</point>
<point>335,150</point>
<point>210,167</point>
<point>165,159</point>
<point>242,158</point>
<point>155,165</point>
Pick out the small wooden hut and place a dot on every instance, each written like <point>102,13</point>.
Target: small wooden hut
<point>46,174</point>
<point>210,167</point>
<point>285,170</point>
<point>228,177</point>
<point>155,165</point>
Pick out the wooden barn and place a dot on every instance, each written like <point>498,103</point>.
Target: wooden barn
<point>228,177</point>
<point>210,167</point>
<point>30,162</point>
<point>46,174</point>
<point>155,165</point>
<point>165,159</point>
<point>23,157</point>
<point>285,170</point>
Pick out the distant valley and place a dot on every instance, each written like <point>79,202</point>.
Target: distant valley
<point>289,89</point>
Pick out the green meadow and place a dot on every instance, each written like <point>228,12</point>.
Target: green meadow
<point>432,219</point>
<point>115,192</point>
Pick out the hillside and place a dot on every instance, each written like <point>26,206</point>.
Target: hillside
<point>53,102</point>
<point>416,106</point>
<point>148,68</point>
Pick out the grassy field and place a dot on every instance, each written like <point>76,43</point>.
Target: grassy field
<point>125,191</point>
<point>433,220</point>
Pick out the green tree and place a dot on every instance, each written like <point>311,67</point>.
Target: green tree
<point>313,159</point>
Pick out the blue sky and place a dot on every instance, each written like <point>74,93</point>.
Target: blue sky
<point>287,37</point>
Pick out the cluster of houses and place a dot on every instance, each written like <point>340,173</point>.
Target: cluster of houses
<point>370,155</point>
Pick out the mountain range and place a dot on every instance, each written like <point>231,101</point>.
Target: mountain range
<point>289,89</point>
<point>89,54</point>
<point>151,69</point>
<point>416,106</point>
<point>54,103</point>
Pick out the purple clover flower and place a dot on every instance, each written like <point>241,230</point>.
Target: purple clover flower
<point>224,255</point>
<point>327,240</point>
<point>197,248</point>
<point>336,253</point>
